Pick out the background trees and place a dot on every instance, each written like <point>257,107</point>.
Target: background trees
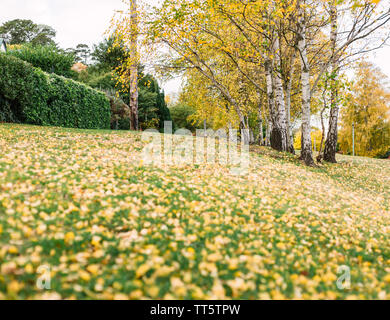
<point>81,53</point>
<point>20,31</point>
<point>368,110</point>
<point>106,56</point>
<point>152,108</point>
<point>181,116</point>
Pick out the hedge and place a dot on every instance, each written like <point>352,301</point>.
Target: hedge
<point>47,58</point>
<point>29,95</point>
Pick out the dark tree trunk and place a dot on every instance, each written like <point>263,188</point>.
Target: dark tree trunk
<point>331,140</point>
<point>307,154</point>
<point>332,137</point>
<point>278,138</point>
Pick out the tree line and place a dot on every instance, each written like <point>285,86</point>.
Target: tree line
<point>268,62</point>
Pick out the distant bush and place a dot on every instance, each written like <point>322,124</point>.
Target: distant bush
<point>180,115</point>
<point>385,155</point>
<point>48,58</point>
<point>6,113</point>
<point>120,114</point>
<point>101,81</point>
<point>29,95</point>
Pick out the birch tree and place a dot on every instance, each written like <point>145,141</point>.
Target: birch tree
<point>366,19</point>
<point>306,144</point>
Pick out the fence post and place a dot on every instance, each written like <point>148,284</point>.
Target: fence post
<point>353,138</point>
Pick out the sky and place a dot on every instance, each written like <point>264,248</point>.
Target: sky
<point>85,21</point>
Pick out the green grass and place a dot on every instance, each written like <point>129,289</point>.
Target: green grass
<point>109,227</point>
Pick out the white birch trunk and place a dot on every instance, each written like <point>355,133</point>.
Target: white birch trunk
<point>290,138</point>
<point>332,137</point>
<point>279,133</point>
<point>306,149</point>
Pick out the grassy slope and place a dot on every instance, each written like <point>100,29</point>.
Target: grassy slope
<point>109,227</point>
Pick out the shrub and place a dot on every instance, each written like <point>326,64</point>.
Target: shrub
<point>120,114</point>
<point>48,58</point>
<point>384,155</point>
<point>181,117</point>
<point>101,81</point>
<point>29,95</point>
<point>6,114</point>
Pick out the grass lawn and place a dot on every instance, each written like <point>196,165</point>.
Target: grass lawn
<point>82,204</point>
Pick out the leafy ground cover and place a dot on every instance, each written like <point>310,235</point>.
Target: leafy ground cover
<point>109,227</point>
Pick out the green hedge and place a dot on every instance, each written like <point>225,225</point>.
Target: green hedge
<point>48,58</point>
<point>29,95</point>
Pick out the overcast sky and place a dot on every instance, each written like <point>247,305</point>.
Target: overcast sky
<point>85,21</point>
